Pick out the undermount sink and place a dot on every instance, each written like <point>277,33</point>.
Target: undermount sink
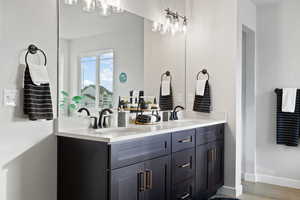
<point>188,121</point>
<point>119,130</point>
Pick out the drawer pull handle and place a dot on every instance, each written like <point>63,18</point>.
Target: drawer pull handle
<point>185,140</point>
<point>142,181</point>
<point>187,195</point>
<point>148,179</point>
<point>185,165</point>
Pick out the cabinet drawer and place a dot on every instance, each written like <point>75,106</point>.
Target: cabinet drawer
<point>184,190</point>
<point>183,140</point>
<point>209,134</point>
<point>183,165</point>
<point>133,151</point>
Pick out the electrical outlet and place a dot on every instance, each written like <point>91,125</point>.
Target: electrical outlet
<point>10,97</point>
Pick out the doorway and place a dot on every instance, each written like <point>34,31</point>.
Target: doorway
<point>248,105</point>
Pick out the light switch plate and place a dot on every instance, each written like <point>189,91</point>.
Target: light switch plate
<point>10,97</point>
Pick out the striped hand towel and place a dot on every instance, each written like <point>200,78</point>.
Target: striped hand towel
<point>37,99</point>
<point>203,103</point>
<point>288,123</point>
<point>166,101</point>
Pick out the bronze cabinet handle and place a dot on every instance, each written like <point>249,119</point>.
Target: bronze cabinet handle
<point>142,181</point>
<point>186,140</point>
<point>148,179</point>
<point>215,154</point>
<point>185,196</point>
<point>210,155</point>
<point>185,165</point>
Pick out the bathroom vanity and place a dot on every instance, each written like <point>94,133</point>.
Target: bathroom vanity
<point>169,162</point>
<point>101,59</point>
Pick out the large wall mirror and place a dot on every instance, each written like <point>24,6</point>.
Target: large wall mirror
<point>104,57</point>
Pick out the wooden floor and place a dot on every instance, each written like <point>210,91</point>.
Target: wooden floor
<point>261,191</point>
<point>267,191</point>
<point>253,197</point>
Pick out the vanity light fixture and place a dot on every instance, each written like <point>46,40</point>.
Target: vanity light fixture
<point>71,2</point>
<point>173,23</point>
<point>105,6</point>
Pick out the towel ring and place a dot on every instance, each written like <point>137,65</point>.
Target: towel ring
<point>204,72</point>
<point>32,49</point>
<point>166,74</point>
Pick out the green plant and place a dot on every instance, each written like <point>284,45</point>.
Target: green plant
<point>72,103</point>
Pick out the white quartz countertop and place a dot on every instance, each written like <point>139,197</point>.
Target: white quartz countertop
<point>111,135</point>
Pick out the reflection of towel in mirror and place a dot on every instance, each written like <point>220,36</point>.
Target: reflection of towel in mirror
<point>166,96</point>
<point>37,99</point>
<point>165,87</point>
<point>38,74</point>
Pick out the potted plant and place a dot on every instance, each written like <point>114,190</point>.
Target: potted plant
<point>69,104</point>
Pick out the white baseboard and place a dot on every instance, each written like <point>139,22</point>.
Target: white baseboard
<point>231,191</point>
<point>249,177</point>
<point>273,180</point>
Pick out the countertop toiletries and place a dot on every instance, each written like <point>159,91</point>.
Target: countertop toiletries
<point>165,116</point>
<point>123,118</point>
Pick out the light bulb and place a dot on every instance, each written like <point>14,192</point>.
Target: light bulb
<point>155,26</point>
<point>176,25</point>
<point>104,7</point>
<point>168,24</point>
<point>89,5</point>
<point>173,30</point>
<point>71,2</point>
<point>118,6</point>
<point>184,29</point>
<point>184,25</point>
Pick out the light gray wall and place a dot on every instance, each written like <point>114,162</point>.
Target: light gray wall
<point>27,149</point>
<point>212,44</point>
<point>278,30</point>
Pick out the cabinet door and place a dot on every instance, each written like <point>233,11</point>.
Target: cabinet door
<point>202,170</point>
<point>158,178</point>
<point>215,165</point>
<point>128,183</point>
<point>218,165</point>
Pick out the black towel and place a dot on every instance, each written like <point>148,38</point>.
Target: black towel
<point>37,99</point>
<point>203,103</point>
<point>288,124</point>
<point>166,102</point>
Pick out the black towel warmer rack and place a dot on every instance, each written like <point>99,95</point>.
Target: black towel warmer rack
<point>33,49</point>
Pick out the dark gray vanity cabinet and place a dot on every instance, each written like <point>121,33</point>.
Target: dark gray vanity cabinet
<point>210,161</point>
<point>143,181</point>
<point>185,165</point>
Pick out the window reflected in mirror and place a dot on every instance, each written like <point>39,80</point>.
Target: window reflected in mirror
<point>96,79</point>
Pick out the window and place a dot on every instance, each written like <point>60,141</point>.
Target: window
<point>97,79</point>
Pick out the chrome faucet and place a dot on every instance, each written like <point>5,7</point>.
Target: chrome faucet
<point>174,113</point>
<point>103,118</point>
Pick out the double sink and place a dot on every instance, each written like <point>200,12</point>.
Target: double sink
<point>137,131</point>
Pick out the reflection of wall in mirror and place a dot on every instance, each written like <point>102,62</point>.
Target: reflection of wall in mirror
<point>162,53</point>
<point>144,55</point>
<point>127,44</point>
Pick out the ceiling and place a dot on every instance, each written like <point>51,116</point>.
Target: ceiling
<point>265,1</point>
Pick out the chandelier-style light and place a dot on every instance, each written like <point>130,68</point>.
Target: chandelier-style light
<point>172,23</point>
<point>106,6</point>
